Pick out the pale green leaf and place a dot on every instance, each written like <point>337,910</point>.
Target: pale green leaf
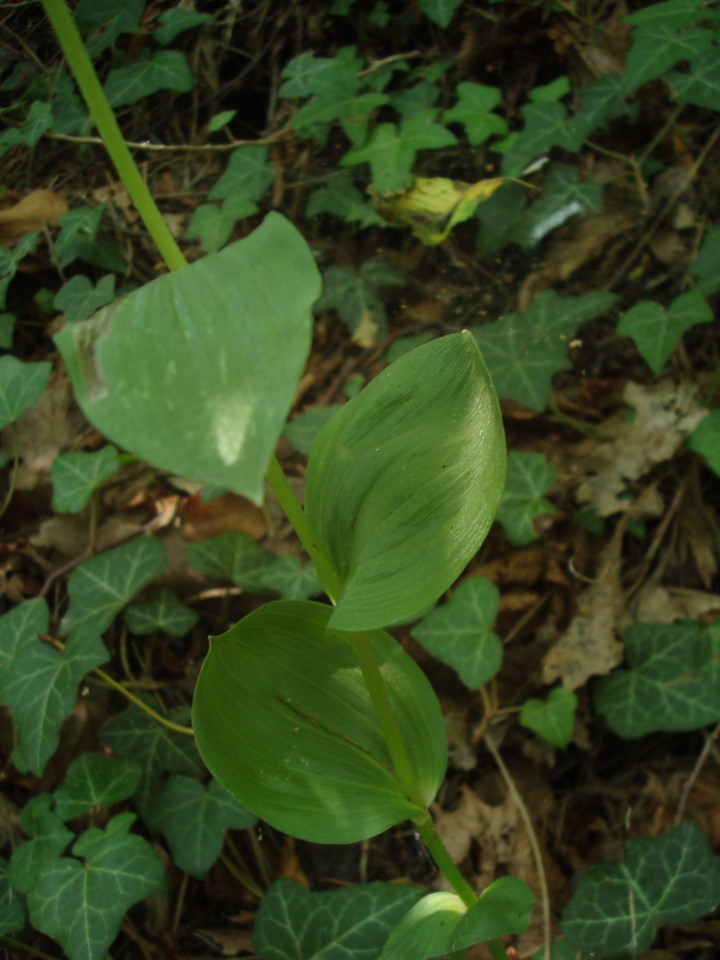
<point>672,680</point>
<point>12,911</point>
<point>553,719</point>
<point>77,475</point>
<point>78,298</point>
<point>165,70</point>
<point>221,120</point>
<point>616,906</point>
<point>354,294</point>
<point>284,721</point>
<point>701,86</point>
<point>48,838</point>
<point>656,330</point>
<point>297,924</point>
<point>290,577</point>
<point>704,266</point>
<point>656,47</point>
<point>82,904</point>
<point>248,175</point>
<point>550,92</point>
<point>194,817</point>
<point>233,556</point>
<point>175,21</point>
<point>160,611</point>
<point>185,372</point>
<point>21,384</point>
<point>546,125</point>
<point>403,482</point>
<point>459,633</point>
<point>529,476</point>
<point>301,431</point>
<point>705,440</point>
<point>524,350</point>
<point>472,110</point>
<point>100,586</point>
<point>439,11</point>
<point>94,780</point>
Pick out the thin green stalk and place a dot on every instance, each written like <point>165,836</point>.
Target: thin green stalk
<point>178,728</point>
<point>425,826</point>
<point>100,110</point>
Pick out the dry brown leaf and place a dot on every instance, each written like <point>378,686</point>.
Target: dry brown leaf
<point>658,604</point>
<point>366,331</point>
<point>665,413</point>
<point>229,512</point>
<point>30,213</point>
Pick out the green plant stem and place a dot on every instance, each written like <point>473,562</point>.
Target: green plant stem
<point>139,703</point>
<point>425,826</point>
<point>13,475</point>
<point>100,110</point>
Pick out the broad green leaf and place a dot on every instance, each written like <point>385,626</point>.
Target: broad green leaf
<point>704,266</point>
<point>301,431</point>
<point>175,21</point>
<point>135,735</point>
<point>563,196</point>
<point>340,197</point>
<point>194,818</point>
<point>284,721</point>
<point>702,86</point>
<point>248,175</point>
<point>7,328</point>
<point>672,878</point>
<point>439,11</point>
<point>40,687</point>
<point>398,348</point>
<point>415,99</point>
<point>705,439</point>
<point>82,904</point>
<point>529,476</point>
<point>656,47</point>
<point>213,225</point>
<point>102,21</point>
<point>12,911</point>
<point>656,330</point>
<point>307,75</point>
<point>600,101</point>
<point>440,923</point>
<point>676,13</point>
<point>21,385</point>
<point>404,480</point>
<point>546,125</point>
<point>353,110</point>
<point>290,577</point>
<point>100,586</point>
<point>221,120</point>
<point>94,780</point>
<point>524,350</point>
<point>160,611</point>
<point>181,351</point>
<point>77,475</point>
<point>233,556</point>
<point>78,298</point>
<point>553,719</point>
<point>672,680</point>
<point>297,924</point>
<point>20,628</point>
<point>472,110</point>
<point>355,295</point>
<point>502,218</point>
<point>164,70</point>
<point>459,633</point>
<point>48,838</point>
<point>390,150</point>
<point>78,233</point>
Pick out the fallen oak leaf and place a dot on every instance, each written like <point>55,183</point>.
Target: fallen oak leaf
<point>29,214</point>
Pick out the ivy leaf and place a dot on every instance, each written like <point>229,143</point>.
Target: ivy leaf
<point>291,578</point>
<point>194,818</point>
<point>21,385</point>
<point>221,120</point>
<point>39,119</point>
<point>165,70</point>
<point>213,225</point>
<point>78,298</point>
<point>563,196</point>
<point>77,475</point>
<point>529,475</point>
<point>553,718</point>
<point>354,294</point>
<point>411,100</point>
<point>175,21</point>
<point>705,440</point>
<point>11,259</point>
<point>94,780</point>
<point>616,906</point>
<point>672,681</point>
<point>102,21</point>
<point>524,350</point>
<point>459,633</point>
<point>81,905</point>
<point>439,11</point>
<point>20,627</point>
<point>297,924</point>
<point>704,266</point>
<point>232,556</point>
<point>676,13</point>
<point>12,911</point>
<point>656,330</point>
<point>342,103</point>
<point>546,125</point>
<point>472,110</point>
<point>342,199</point>
<point>40,687</point>
<point>135,735</point>
<point>390,150</point>
<point>48,838</point>
<point>702,86</point>
<point>160,611</point>
<point>78,236</point>
<point>301,431</point>
<point>656,47</point>
<point>248,174</point>
<point>600,101</point>
<point>307,75</point>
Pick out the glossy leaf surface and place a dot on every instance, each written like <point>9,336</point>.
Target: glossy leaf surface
<point>284,721</point>
<point>186,372</point>
<point>404,480</point>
